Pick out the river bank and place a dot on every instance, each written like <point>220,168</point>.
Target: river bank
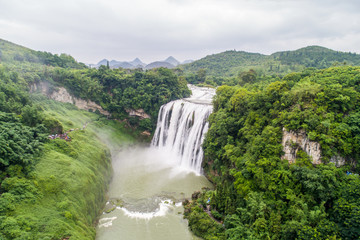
<point>62,197</point>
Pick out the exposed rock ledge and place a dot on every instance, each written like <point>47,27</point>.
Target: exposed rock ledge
<point>294,141</point>
<point>138,113</point>
<point>62,95</point>
<point>339,161</point>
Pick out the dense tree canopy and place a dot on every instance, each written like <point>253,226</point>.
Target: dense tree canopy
<point>225,67</point>
<point>117,90</point>
<point>261,196</point>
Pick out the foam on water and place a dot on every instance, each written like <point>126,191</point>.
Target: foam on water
<point>106,222</point>
<point>164,207</point>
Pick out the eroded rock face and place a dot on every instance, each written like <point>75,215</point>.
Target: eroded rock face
<point>294,141</point>
<point>146,133</point>
<point>337,160</point>
<point>42,87</point>
<point>62,95</point>
<point>138,113</point>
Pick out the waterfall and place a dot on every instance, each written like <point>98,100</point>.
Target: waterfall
<point>181,128</point>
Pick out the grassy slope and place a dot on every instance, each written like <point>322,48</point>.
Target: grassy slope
<point>71,179</point>
<point>11,52</point>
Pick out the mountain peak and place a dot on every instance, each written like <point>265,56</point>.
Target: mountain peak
<point>103,62</point>
<point>137,62</point>
<point>172,61</point>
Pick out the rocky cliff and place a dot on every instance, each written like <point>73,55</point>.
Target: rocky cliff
<point>294,141</point>
<point>62,95</point>
<point>138,113</point>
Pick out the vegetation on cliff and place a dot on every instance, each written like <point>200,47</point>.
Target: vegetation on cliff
<point>50,189</point>
<point>258,194</point>
<point>118,90</point>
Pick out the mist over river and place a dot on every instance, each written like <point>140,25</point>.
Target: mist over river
<point>151,190</point>
<point>149,184</point>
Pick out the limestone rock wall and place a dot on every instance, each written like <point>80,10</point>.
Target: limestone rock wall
<point>62,95</point>
<point>138,113</point>
<point>294,141</point>
<point>337,160</point>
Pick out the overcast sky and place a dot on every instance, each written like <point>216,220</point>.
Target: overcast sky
<point>91,30</point>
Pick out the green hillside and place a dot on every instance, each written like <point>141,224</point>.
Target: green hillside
<point>43,183</point>
<point>13,54</point>
<point>231,63</point>
<point>259,194</point>
<point>317,57</point>
<point>227,63</point>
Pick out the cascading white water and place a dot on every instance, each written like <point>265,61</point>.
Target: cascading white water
<point>182,125</point>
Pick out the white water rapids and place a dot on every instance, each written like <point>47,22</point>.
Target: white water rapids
<point>150,183</point>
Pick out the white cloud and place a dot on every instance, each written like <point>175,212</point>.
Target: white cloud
<point>94,29</point>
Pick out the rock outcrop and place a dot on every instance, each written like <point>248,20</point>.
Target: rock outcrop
<point>138,113</point>
<point>337,160</point>
<point>62,95</point>
<point>294,141</point>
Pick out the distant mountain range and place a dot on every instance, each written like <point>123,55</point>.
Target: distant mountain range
<point>220,65</point>
<point>170,62</point>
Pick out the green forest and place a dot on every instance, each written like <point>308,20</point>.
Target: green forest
<point>117,90</point>
<point>225,67</point>
<point>56,188</point>
<point>258,194</point>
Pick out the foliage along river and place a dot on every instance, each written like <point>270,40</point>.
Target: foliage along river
<point>149,184</point>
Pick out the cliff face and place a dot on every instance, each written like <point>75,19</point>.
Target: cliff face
<point>138,113</point>
<point>62,95</point>
<point>294,141</point>
<point>339,161</point>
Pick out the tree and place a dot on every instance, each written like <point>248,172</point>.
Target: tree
<point>201,75</point>
<point>248,77</point>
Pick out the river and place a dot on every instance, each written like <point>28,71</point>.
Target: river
<point>150,183</point>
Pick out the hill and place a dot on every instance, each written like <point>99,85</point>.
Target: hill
<point>13,54</point>
<point>172,61</point>
<point>231,63</point>
<point>125,65</point>
<point>137,62</point>
<point>159,64</point>
<point>317,57</point>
